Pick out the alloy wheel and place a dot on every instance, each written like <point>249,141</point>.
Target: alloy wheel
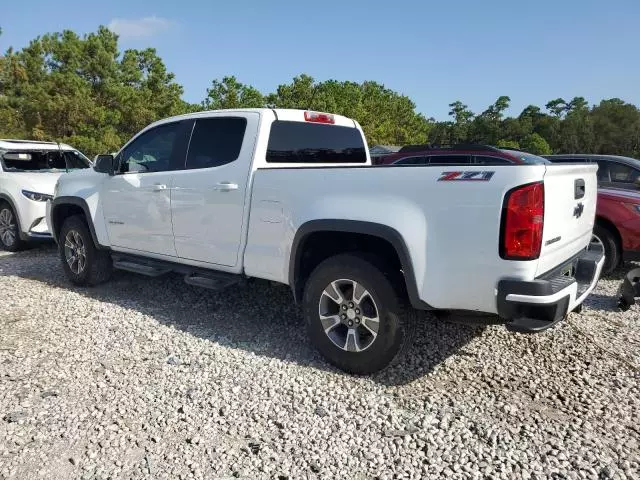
<point>8,227</point>
<point>349,315</point>
<point>75,252</point>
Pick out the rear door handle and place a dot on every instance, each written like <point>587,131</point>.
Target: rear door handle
<point>225,186</point>
<point>158,187</point>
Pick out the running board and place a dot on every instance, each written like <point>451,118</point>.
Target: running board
<point>213,281</point>
<point>199,277</point>
<point>144,269</point>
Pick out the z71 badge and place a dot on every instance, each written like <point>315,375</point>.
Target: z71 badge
<point>474,176</point>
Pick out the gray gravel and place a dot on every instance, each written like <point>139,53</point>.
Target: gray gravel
<point>152,378</point>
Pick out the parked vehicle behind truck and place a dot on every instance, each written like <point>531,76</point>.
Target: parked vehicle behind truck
<point>29,170</point>
<point>290,196</point>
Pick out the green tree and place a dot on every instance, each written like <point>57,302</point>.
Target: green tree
<point>229,93</point>
<point>534,143</point>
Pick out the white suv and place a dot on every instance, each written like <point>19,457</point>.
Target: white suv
<point>28,174</point>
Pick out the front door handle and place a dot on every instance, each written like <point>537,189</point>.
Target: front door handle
<point>225,186</point>
<point>158,187</point>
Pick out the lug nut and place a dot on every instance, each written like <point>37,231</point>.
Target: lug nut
<point>350,323</point>
<point>357,321</point>
<point>350,304</point>
<point>357,311</point>
<point>343,316</point>
<point>344,307</point>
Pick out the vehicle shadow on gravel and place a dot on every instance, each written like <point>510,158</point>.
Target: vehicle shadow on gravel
<point>258,317</point>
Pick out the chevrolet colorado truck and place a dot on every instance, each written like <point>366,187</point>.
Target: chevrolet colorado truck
<point>291,196</point>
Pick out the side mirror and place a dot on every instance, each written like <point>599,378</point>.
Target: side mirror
<point>104,164</point>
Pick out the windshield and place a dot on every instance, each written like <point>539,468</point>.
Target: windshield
<point>527,158</point>
<point>43,161</point>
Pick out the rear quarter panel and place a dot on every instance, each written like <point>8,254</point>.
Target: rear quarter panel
<point>451,228</point>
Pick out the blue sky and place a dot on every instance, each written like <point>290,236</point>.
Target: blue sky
<point>433,51</point>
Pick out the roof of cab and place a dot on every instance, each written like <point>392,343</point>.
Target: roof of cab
<point>287,114</point>
<point>22,145</point>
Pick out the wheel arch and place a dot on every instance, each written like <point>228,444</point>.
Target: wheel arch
<point>6,198</point>
<point>64,207</point>
<point>609,225</point>
<point>377,233</point>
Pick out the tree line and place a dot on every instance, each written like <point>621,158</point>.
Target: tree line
<point>85,91</point>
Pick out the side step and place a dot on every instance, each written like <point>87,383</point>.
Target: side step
<point>142,268</point>
<point>213,281</point>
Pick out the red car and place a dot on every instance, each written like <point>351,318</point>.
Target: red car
<point>617,226</point>
<point>458,155</point>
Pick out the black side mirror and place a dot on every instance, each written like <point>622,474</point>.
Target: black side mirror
<point>104,164</point>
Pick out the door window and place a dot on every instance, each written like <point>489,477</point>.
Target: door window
<point>215,142</point>
<point>411,161</point>
<point>486,160</point>
<point>603,171</point>
<point>449,159</point>
<point>154,150</point>
<point>622,173</point>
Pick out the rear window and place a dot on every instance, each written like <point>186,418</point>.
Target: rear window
<point>527,158</point>
<point>298,142</point>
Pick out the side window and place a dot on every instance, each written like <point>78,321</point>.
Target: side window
<point>486,160</point>
<point>603,171</point>
<point>622,173</point>
<point>152,151</point>
<point>449,159</point>
<point>411,161</point>
<point>215,142</point>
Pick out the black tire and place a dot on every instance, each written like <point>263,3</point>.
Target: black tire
<point>612,248</point>
<point>97,267</point>
<point>16,243</point>
<point>397,320</point>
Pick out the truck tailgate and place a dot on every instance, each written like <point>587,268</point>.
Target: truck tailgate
<point>570,195</point>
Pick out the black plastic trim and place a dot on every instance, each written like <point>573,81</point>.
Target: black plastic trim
<point>79,202</point>
<point>360,227</point>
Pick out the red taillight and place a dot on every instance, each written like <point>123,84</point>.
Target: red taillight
<point>318,117</point>
<point>522,222</point>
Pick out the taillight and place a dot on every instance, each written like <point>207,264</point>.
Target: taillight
<point>522,222</point>
<point>318,117</point>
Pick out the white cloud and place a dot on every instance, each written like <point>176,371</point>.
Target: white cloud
<point>145,27</point>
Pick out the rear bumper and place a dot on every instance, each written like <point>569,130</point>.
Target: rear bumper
<point>533,306</point>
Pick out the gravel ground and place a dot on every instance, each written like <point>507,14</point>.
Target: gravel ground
<point>152,378</point>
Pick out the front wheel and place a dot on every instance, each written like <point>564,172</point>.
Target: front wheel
<point>355,315</point>
<point>9,229</point>
<point>83,263</point>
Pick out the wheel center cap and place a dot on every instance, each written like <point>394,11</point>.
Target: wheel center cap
<point>351,314</point>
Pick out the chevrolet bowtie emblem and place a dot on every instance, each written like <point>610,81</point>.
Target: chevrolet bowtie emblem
<point>577,212</point>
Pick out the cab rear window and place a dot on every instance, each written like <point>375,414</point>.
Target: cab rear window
<point>301,142</point>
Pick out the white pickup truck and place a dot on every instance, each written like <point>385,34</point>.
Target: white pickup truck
<point>291,196</point>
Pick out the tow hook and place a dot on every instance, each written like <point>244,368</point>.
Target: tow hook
<point>629,290</point>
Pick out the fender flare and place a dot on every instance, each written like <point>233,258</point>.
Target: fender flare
<point>78,202</point>
<point>373,229</point>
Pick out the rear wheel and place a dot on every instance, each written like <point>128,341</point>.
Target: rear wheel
<point>83,263</point>
<point>9,229</point>
<point>355,315</point>
<point>605,238</point>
